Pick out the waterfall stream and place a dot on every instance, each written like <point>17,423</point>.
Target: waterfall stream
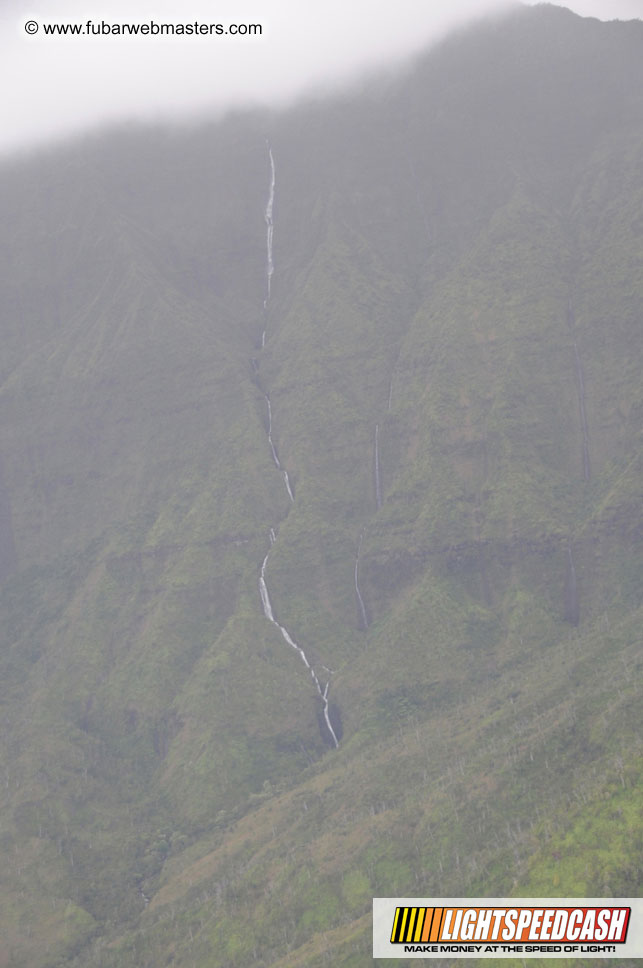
<point>360,600</point>
<point>275,457</point>
<point>263,587</point>
<point>270,266</point>
<point>270,615</point>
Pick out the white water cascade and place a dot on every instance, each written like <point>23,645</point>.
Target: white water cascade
<point>270,266</point>
<point>275,457</point>
<point>378,488</point>
<point>360,600</point>
<point>270,615</point>
<point>263,587</point>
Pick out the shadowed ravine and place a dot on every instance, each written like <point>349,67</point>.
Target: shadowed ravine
<point>580,384</point>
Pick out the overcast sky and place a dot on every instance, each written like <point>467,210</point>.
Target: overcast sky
<point>53,87</point>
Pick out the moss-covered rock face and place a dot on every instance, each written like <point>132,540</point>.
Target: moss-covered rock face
<point>453,351</point>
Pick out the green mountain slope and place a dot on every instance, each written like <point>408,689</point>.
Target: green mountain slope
<point>452,358</point>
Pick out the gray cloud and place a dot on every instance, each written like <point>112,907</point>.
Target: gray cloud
<point>59,86</point>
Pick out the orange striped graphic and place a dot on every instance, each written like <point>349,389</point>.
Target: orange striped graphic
<point>416,925</point>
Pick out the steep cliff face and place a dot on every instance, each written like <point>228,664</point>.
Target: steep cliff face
<point>321,527</point>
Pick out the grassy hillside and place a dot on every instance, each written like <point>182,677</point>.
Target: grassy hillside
<point>452,356</point>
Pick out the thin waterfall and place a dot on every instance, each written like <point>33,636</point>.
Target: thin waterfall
<point>270,266</point>
<point>270,615</point>
<point>329,725</point>
<point>580,383</point>
<point>360,600</point>
<point>378,489</point>
<point>275,456</point>
<point>263,587</point>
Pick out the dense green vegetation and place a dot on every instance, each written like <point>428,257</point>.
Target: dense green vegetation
<point>458,256</point>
